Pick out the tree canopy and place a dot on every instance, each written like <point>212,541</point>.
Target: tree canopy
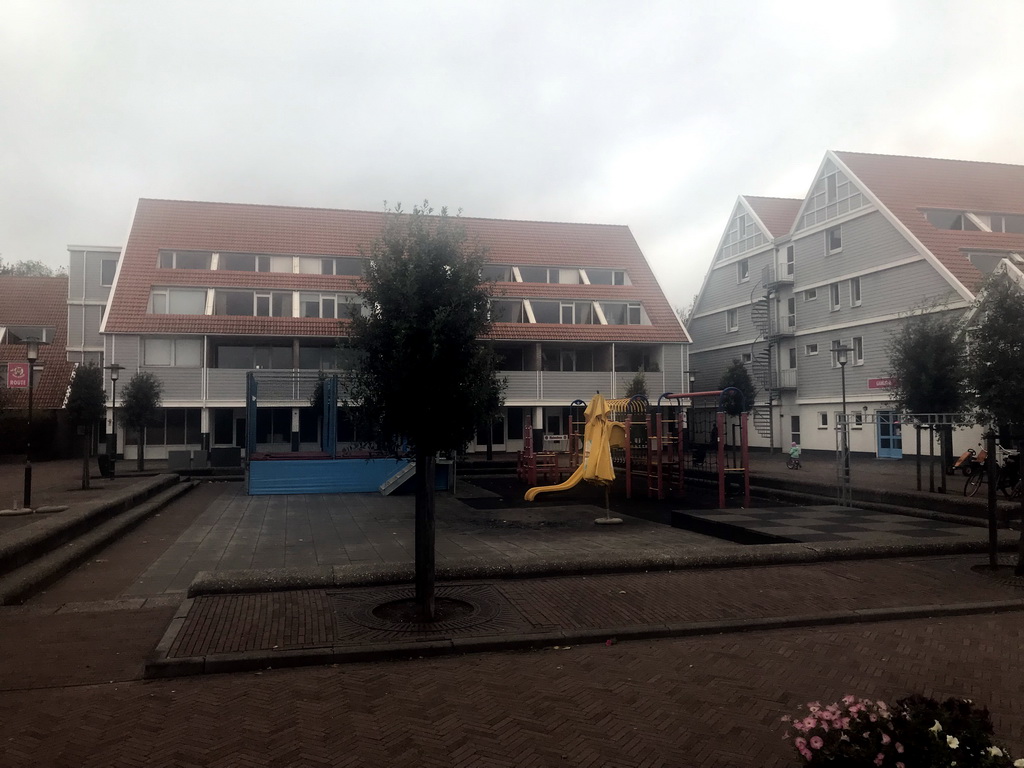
<point>140,405</point>
<point>86,397</point>
<point>927,365</point>
<point>30,268</point>
<point>997,355</point>
<point>423,372</point>
<point>737,375</point>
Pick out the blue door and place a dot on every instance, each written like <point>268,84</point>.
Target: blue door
<point>890,435</point>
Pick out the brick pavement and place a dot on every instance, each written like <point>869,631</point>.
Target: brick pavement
<point>705,702</point>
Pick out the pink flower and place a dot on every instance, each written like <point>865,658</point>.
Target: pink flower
<point>808,755</point>
<point>879,759</point>
<point>814,706</point>
<point>800,742</point>
<point>873,718</point>
<point>885,738</point>
<point>844,723</point>
<point>848,699</point>
<point>810,722</point>
<point>816,742</point>
<point>899,747</point>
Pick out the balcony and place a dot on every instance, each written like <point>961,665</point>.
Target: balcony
<point>773,277</point>
<point>226,386</point>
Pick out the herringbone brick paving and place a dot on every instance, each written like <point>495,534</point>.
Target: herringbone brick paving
<point>709,701</point>
<point>299,619</point>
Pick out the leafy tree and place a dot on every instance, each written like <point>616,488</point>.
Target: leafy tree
<point>31,268</point>
<point>737,376</point>
<point>86,404</point>
<point>638,385</point>
<point>423,373</point>
<point>140,405</point>
<point>928,366</point>
<point>997,365</point>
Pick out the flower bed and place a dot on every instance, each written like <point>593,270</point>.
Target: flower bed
<point>916,732</point>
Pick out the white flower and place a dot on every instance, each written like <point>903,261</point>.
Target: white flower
<point>995,751</point>
<point>935,728</point>
<point>953,742</point>
<point>1018,763</point>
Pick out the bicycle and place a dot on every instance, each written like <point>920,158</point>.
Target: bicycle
<point>793,462</point>
<point>1008,479</point>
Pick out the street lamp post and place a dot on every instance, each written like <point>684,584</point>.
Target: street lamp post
<point>842,358</point>
<point>31,354</point>
<point>115,372</point>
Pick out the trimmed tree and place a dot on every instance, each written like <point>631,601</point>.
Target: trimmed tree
<point>86,404</point>
<point>423,374</point>
<point>738,377</point>
<point>928,366</point>
<point>638,384</point>
<point>997,366</point>
<point>140,405</point>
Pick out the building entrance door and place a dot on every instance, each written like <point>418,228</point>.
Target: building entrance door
<point>890,435</point>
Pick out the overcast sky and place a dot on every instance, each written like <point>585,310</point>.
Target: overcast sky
<point>654,115</point>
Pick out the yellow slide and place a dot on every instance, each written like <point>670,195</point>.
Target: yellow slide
<point>572,481</point>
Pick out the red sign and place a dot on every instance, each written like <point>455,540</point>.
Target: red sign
<point>17,375</point>
<point>881,383</point>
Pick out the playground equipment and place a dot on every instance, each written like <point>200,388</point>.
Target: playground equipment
<point>685,434</point>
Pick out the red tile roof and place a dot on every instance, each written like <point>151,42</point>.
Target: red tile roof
<point>181,225</point>
<point>776,213</point>
<point>39,301</point>
<point>908,186</point>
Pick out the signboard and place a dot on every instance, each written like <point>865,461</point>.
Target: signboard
<point>881,383</point>
<point>17,375</point>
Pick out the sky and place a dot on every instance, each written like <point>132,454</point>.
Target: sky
<point>656,115</point>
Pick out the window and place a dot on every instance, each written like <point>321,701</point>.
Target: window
<point>745,358</point>
<point>810,294</point>
<point>833,296</point>
<point>831,193</point>
<point>822,419</point>
<point>857,353</point>
<point>836,344</point>
<point>858,420</point>
<point>790,255</point>
<point>108,268</point>
<point>743,271</point>
<point>184,259</point>
<point>496,272</point>
<point>606,276</point>
<point>794,429</point>
<point>833,240</point>
<point>810,349</point>
<point>550,275</point>
<point>318,305</point>
<point>732,322</point>
<point>790,320</point>
<point>792,357</point>
<point>621,313</point>
<point>854,291</point>
<point>507,311</point>
<point>177,301</point>
<point>252,304</point>
<point>180,353</point>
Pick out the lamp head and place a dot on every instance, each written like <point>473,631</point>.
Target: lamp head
<point>32,350</point>
<point>842,355</point>
<point>115,370</point>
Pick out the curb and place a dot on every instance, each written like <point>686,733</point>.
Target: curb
<point>159,666</point>
<point>24,580</point>
<point>283,579</point>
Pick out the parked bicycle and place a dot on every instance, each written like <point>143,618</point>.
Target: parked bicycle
<point>1008,478</point>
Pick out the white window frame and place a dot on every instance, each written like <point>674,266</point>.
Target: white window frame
<point>810,350</point>
<point>732,320</point>
<point>829,250</point>
<point>811,294</point>
<point>857,350</point>
<point>174,352</point>
<point>832,347</point>
<point>834,297</point>
<point>822,419</point>
<point>743,271</point>
<point>746,358</point>
<point>790,260</point>
<point>103,263</point>
<point>858,420</point>
<point>856,297</point>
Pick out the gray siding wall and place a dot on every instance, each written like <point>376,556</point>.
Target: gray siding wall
<point>722,291</point>
<point>709,366</point>
<point>179,384</point>
<point>672,367</point>
<point>869,241</point>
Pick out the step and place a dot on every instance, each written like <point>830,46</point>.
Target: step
<point>26,580</point>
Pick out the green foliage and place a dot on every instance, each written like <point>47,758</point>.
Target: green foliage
<point>32,268</point>
<point>638,385</point>
<point>140,401</point>
<point>997,355</point>
<point>928,366</point>
<point>86,399</point>
<point>737,376</point>
<point>423,372</point>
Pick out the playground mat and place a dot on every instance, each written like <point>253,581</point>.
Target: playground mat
<point>820,523</point>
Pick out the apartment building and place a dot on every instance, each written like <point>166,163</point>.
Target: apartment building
<point>206,292</point>
<point>91,271</point>
<point>875,238</point>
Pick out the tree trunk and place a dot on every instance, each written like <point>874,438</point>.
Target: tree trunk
<point>425,465</point>
<point>140,459</point>
<point>86,443</point>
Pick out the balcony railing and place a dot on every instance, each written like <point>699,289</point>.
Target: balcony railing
<point>227,385</point>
